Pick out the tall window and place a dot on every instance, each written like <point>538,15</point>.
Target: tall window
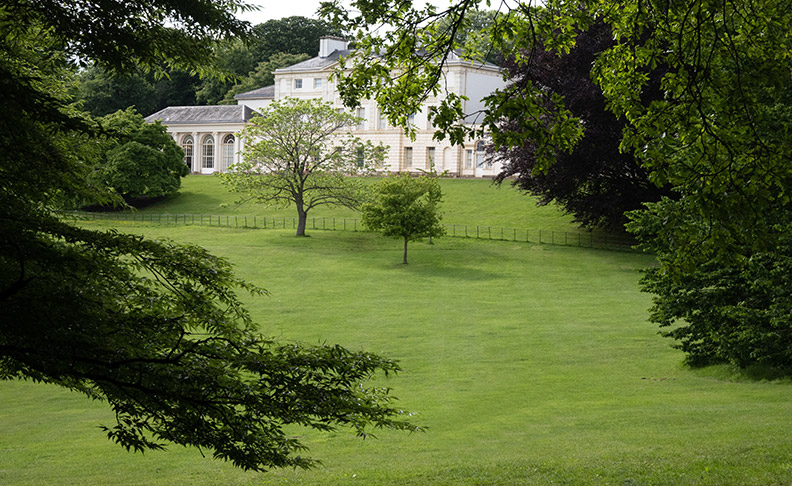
<point>298,84</point>
<point>228,151</point>
<point>481,155</point>
<point>407,157</point>
<point>361,157</point>
<point>361,113</point>
<point>208,152</point>
<point>411,119</point>
<point>187,145</point>
<point>468,159</point>
<point>317,83</point>
<point>430,157</point>
<point>382,123</point>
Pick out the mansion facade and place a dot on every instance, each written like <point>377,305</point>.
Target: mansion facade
<point>209,134</point>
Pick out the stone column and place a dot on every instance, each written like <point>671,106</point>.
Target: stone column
<point>218,145</point>
<point>196,161</point>
<point>237,148</point>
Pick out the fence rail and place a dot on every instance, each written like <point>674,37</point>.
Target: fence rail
<point>549,237</point>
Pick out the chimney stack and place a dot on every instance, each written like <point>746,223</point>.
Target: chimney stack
<point>329,44</point>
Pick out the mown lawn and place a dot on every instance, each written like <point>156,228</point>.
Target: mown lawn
<point>529,364</point>
<point>466,202</point>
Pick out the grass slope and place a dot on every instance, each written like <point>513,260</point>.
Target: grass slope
<point>466,201</point>
<point>530,364</point>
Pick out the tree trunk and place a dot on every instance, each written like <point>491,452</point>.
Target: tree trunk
<point>404,261</point>
<point>302,219</point>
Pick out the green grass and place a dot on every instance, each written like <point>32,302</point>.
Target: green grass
<point>530,364</point>
<point>466,201</point>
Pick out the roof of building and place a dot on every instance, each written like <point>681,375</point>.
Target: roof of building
<point>318,63</point>
<point>186,115</point>
<point>265,93</point>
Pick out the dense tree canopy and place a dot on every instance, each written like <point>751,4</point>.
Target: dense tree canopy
<point>152,328</point>
<point>289,35</point>
<point>595,181</point>
<point>297,153</point>
<point>140,161</point>
<point>718,136</point>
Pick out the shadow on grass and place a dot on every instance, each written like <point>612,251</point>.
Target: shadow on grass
<point>752,373</point>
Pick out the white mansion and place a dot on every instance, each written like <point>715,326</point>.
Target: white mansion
<point>208,134</point>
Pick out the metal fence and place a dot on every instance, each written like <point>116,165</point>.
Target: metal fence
<point>549,237</point>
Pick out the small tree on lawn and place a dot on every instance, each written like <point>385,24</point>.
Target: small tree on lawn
<point>297,152</point>
<point>405,207</point>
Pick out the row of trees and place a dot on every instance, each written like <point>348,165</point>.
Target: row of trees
<point>698,95</point>
<point>242,65</point>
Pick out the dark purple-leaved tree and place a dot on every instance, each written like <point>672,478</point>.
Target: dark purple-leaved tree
<point>595,182</point>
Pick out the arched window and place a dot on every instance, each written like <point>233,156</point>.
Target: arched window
<point>480,154</point>
<point>228,151</point>
<point>208,152</point>
<point>187,146</point>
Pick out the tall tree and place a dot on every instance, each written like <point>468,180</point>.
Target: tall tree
<point>595,182</point>
<point>152,328</point>
<point>717,137</point>
<point>103,94</point>
<point>289,35</point>
<point>141,162</point>
<point>235,59</point>
<point>405,207</point>
<point>296,153</point>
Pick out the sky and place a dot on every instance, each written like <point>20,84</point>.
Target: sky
<point>277,9</point>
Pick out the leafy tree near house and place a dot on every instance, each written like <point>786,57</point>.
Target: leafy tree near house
<point>154,329</point>
<point>140,161</point>
<point>297,153</point>
<point>405,207</point>
<point>718,137</point>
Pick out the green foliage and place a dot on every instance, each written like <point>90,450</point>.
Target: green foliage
<point>152,328</point>
<point>471,34</point>
<point>405,207</point>
<point>102,94</point>
<point>734,311</point>
<point>263,75</point>
<point>140,160</point>
<point>296,153</point>
<point>289,35</point>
